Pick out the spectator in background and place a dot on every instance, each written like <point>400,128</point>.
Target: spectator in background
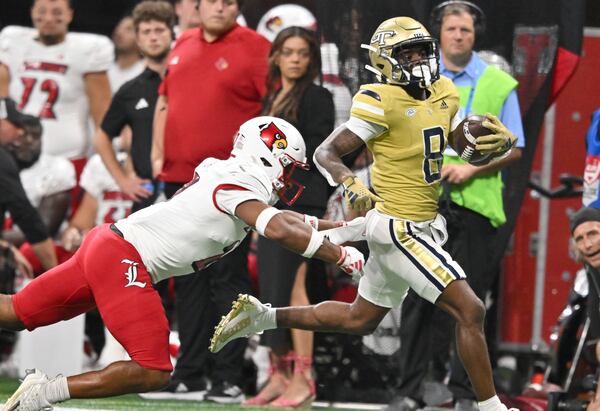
<point>294,64</point>
<point>287,15</point>
<point>188,15</point>
<point>591,176</point>
<point>134,104</point>
<point>58,76</point>
<point>471,203</point>
<point>47,180</point>
<point>585,235</point>
<point>13,197</point>
<point>196,117</point>
<point>128,61</point>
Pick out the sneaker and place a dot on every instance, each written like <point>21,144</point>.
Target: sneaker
<point>401,403</point>
<point>225,393</point>
<point>247,316</point>
<point>30,395</point>
<point>177,390</point>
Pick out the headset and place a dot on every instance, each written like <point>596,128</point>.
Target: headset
<point>435,19</point>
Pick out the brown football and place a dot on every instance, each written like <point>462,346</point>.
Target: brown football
<point>466,133</point>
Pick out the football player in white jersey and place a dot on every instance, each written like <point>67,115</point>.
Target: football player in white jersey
<point>57,75</point>
<point>102,202</point>
<point>116,264</point>
<point>47,180</point>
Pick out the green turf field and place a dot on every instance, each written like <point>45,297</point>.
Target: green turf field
<point>133,402</point>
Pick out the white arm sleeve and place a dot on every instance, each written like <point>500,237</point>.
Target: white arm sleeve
<point>363,129</point>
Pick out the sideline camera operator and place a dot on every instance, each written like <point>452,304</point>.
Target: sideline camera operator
<point>585,231</point>
<point>12,195</point>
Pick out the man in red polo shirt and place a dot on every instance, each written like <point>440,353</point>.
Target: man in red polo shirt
<point>215,81</point>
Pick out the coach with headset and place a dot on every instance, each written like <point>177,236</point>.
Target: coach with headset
<point>471,203</point>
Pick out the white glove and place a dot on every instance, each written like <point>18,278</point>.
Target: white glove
<point>352,262</point>
<point>353,230</point>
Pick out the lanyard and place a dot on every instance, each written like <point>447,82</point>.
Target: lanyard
<point>470,99</point>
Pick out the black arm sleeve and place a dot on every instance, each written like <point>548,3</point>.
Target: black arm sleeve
<point>13,199</point>
<point>116,116</point>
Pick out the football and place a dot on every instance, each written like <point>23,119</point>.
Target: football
<point>464,140</point>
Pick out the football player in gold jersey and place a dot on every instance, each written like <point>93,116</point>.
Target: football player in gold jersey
<point>406,121</point>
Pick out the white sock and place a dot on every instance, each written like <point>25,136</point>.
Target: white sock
<point>270,318</point>
<point>491,404</point>
<point>57,390</point>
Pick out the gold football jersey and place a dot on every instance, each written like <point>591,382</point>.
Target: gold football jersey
<point>408,155</point>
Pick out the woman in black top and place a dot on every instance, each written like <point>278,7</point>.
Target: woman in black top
<point>294,65</point>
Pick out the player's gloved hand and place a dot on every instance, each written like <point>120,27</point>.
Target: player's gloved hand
<point>498,143</point>
<point>351,262</point>
<point>353,230</point>
<point>357,195</point>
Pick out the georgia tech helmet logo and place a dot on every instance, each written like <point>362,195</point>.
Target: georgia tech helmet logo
<point>380,37</point>
<point>273,137</point>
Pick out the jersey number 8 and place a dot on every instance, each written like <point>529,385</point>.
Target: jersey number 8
<point>433,144</point>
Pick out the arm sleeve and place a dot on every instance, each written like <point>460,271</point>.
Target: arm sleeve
<point>63,177</point>
<point>510,115</point>
<point>5,45</point>
<point>98,53</point>
<point>364,129</point>
<point>228,197</point>
<point>14,199</point>
<point>116,116</point>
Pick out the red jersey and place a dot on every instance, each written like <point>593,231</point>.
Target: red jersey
<point>211,88</point>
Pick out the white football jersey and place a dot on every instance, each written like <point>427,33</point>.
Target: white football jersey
<point>197,226</point>
<point>113,205</point>
<point>48,81</point>
<point>48,176</point>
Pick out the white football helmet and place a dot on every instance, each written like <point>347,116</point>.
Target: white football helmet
<point>276,146</point>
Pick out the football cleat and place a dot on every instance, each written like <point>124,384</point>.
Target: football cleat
<point>30,395</point>
<point>247,316</point>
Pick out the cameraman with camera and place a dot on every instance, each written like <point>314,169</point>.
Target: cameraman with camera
<point>585,232</point>
<point>13,198</point>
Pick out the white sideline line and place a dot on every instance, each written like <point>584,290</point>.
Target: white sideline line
<point>348,405</point>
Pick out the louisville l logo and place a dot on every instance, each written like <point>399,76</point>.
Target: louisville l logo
<point>273,137</point>
<point>131,274</point>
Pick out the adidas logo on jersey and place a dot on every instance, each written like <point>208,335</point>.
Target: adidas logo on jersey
<point>141,104</point>
<point>443,106</point>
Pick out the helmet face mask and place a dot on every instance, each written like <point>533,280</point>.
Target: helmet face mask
<point>288,190</point>
<point>278,148</point>
<point>390,53</point>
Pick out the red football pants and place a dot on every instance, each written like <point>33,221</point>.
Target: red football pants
<point>106,272</point>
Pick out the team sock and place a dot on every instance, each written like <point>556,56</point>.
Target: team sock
<point>491,404</point>
<point>57,390</point>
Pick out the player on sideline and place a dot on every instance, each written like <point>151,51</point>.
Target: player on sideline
<point>116,264</point>
<point>405,122</point>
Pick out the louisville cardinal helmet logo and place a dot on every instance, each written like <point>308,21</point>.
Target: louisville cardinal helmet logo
<point>273,137</point>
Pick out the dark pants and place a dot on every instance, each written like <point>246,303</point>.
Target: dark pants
<point>201,299</point>
<point>425,330</point>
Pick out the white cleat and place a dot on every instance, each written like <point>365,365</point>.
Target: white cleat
<point>30,395</point>
<point>247,317</point>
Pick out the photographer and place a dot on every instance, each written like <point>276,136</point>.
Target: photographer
<point>585,231</point>
<point>12,195</point>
